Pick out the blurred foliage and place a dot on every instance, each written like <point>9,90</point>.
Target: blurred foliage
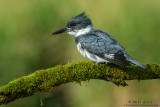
<point>26,45</point>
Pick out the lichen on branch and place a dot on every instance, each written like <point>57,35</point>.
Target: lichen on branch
<point>43,80</point>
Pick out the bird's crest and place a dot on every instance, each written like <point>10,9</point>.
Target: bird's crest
<point>83,14</point>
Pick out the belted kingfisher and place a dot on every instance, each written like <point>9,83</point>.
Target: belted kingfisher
<point>95,44</point>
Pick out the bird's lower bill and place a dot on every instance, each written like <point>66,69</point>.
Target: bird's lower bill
<point>60,31</point>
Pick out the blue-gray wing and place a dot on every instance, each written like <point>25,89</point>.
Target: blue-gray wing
<point>100,42</point>
<point>103,45</point>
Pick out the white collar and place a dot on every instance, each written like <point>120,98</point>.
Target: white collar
<point>83,31</point>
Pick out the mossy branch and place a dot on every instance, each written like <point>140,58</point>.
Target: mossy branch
<point>43,80</point>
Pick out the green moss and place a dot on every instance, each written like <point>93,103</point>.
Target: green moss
<point>43,80</point>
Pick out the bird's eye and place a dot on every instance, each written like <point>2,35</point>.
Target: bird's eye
<point>73,24</point>
<point>69,26</point>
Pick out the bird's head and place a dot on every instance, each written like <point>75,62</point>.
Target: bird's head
<point>76,24</point>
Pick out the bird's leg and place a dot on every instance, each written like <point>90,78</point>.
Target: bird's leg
<point>97,63</point>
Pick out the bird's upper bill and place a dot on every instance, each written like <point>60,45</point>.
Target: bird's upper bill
<point>76,23</point>
<point>59,31</point>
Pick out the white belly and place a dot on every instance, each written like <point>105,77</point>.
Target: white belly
<point>90,56</point>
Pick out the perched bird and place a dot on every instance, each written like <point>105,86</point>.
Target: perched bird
<point>95,44</point>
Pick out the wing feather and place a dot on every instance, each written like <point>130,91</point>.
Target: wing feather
<point>103,45</point>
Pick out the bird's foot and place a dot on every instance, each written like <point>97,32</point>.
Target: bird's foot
<point>97,63</point>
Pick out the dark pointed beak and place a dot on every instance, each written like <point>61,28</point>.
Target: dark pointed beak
<point>60,31</point>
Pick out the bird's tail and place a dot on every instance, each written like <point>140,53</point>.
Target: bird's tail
<point>137,63</point>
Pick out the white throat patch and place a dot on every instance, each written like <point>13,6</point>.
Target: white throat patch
<point>76,33</point>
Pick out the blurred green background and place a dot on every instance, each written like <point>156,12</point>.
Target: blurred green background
<point>26,45</point>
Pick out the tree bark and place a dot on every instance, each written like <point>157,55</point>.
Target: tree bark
<point>43,80</point>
